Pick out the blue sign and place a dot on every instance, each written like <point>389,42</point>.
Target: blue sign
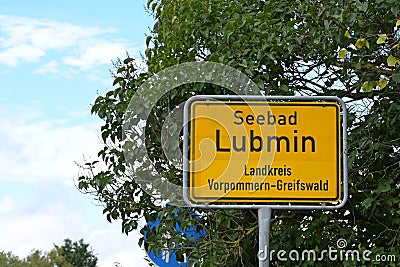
<point>167,258</point>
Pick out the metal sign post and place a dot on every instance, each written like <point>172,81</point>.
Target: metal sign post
<point>264,225</point>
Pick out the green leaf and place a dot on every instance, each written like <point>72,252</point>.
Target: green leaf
<point>342,53</point>
<point>382,83</point>
<point>367,203</point>
<point>398,23</point>
<point>284,88</point>
<point>118,80</point>
<point>382,188</point>
<point>360,43</point>
<point>148,38</point>
<point>381,38</point>
<point>347,34</point>
<point>363,6</point>
<point>154,6</point>
<point>391,61</point>
<point>128,60</point>
<point>366,43</point>
<point>299,240</point>
<point>367,87</point>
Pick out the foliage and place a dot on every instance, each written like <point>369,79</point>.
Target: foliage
<point>70,254</point>
<point>346,48</point>
<point>35,258</point>
<point>75,254</point>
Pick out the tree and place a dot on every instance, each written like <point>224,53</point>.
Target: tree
<point>70,254</point>
<point>38,258</point>
<point>347,48</point>
<point>76,254</point>
<point>8,259</point>
<point>35,258</point>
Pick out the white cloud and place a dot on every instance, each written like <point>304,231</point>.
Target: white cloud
<point>52,67</point>
<point>7,204</point>
<point>11,56</point>
<point>31,39</point>
<point>96,53</point>
<point>44,150</point>
<point>39,206</point>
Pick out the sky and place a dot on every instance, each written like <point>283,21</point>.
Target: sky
<point>55,58</point>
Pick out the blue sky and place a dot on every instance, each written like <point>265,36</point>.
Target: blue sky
<point>55,58</point>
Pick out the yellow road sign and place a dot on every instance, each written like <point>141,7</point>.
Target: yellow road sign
<point>260,151</point>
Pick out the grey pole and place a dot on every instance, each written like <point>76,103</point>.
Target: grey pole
<point>264,222</point>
